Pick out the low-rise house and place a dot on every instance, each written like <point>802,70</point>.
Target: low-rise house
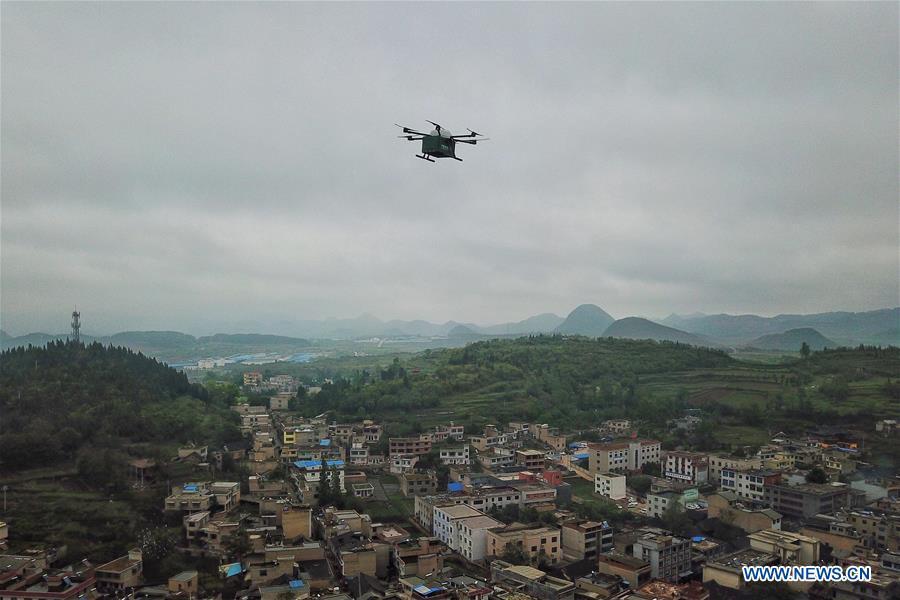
<point>727,507</point>
<point>790,548</point>
<point>623,456</point>
<point>122,573</point>
<point>363,490</point>
<point>418,557</point>
<point>727,570</point>
<point>186,582</point>
<point>403,463</point>
<point>409,445</point>
<point>535,542</point>
<point>449,432</point>
<point>717,462</point>
<point>635,571</point>
<point>423,483</point>
<point>531,581</point>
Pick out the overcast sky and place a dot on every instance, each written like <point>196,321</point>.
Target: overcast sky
<point>195,166</point>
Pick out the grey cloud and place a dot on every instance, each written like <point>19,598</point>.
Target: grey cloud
<point>167,165</point>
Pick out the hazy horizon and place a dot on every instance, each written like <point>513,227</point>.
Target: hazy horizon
<point>181,166</point>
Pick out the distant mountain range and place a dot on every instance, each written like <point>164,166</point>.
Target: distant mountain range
<point>784,332</point>
<point>844,328</point>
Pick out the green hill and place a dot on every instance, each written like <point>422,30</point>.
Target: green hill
<point>65,398</point>
<point>793,339</point>
<point>588,319</point>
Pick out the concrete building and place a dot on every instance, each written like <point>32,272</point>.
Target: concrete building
<point>455,455</point>
<point>610,485</point>
<point>532,460</point>
<point>534,541</point>
<point>586,539</point>
<point>445,523</point>
<point>472,535</point>
<point>186,582</point>
<point>727,507</point>
<point>878,530</point>
<point>418,483</point>
<point>807,500</point>
<point>409,445</point>
<point>660,502</point>
<point>727,570</point>
<point>635,571</point>
<point>790,548</point>
<point>749,485</point>
<point>530,581</point>
<point>717,462</point>
<point>686,467</point>
<point>628,455</point>
<point>122,573</point>
<point>669,556</point>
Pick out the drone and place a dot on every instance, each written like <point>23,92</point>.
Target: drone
<point>440,143</point>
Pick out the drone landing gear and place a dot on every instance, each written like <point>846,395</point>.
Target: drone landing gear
<point>454,158</point>
<point>424,157</point>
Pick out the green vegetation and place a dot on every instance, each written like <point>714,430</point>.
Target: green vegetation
<point>68,399</point>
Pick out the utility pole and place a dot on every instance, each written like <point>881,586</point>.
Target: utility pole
<point>5,487</point>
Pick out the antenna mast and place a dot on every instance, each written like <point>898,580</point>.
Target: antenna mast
<point>76,325</point>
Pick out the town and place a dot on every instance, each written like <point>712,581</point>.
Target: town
<point>339,510</point>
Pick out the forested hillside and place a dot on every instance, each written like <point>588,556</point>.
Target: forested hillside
<point>60,400</point>
<point>553,379</point>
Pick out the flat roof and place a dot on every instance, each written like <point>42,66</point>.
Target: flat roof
<point>184,576</point>
<point>459,511</point>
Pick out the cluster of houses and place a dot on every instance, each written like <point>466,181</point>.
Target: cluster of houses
<point>492,515</point>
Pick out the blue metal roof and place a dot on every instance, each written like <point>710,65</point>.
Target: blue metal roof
<point>582,455</point>
<point>454,487</point>
<point>325,442</point>
<point>295,583</point>
<point>317,464</point>
<point>233,569</point>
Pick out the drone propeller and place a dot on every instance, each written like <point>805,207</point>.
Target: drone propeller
<point>410,137</point>
<point>408,130</point>
<point>468,135</point>
<point>436,126</point>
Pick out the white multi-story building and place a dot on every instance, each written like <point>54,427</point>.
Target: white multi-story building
<point>471,533</point>
<point>446,519</point>
<point>403,463</point>
<point>497,457</point>
<point>628,455</point>
<point>749,484</point>
<point>610,485</point>
<point>455,455</point>
<point>687,467</point>
<point>359,454</point>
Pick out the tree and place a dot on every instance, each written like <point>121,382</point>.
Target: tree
<point>652,469</point>
<point>804,350</point>
<point>676,520</point>
<point>817,475</point>
<point>514,554</point>
<point>640,484</point>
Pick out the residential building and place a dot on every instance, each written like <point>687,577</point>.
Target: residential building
<point>660,502</point>
<point>669,556</point>
<point>727,570</point>
<point>717,462</point>
<point>418,557</point>
<point>750,484</point>
<point>530,581</point>
<point>535,542</point>
<point>186,582</point>
<point>358,454</point>
<point>418,483</point>
<point>409,445</point>
<point>472,534</point>
<point>403,463</point>
<point>362,490</point>
<point>807,500</point>
<point>43,583</point>
<point>686,467</point>
<point>611,485</point>
<point>533,460</point>
<point>253,378</point>
<point>635,571</point>
<point>446,518</point>
<point>878,530</point>
<point>280,401</point>
<point>449,432</point>
<point>727,507</point>
<point>586,539</point>
<point>122,573</point>
<point>628,455</point>
<point>790,548</point>
<point>455,455</point>
<point>496,457</point>
<point>617,426</point>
